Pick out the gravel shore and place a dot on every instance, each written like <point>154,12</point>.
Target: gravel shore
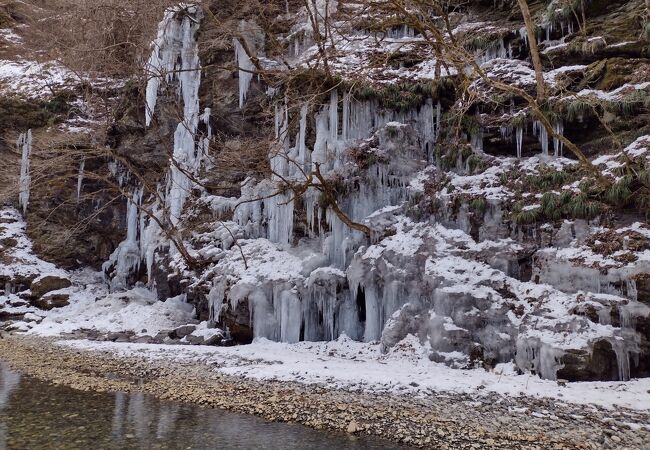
<point>440,421</point>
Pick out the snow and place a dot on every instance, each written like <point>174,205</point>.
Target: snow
<point>356,366</point>
<point>91,307</point>
<point>19,260</point>
<point>10,36</point>
<point>615,94</point>
<point>34,79</point>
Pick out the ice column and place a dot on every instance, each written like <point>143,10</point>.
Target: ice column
<point>126,257</point>
<point>175,57</point>
<point>520,140</point>
<point>542,135</point>
<point>246,70</point>
<point>24,143</point>
<point>558,145</point>
<point>80,178</point>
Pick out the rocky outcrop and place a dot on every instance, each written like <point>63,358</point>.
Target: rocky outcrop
<point>48,283</point>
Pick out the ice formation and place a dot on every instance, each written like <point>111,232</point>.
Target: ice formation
<point>175,61</point>
<point>246,71</point>
<point>80,178</point>
<point>24,145</point>
<point>558,145</point>
<point>454,281</point>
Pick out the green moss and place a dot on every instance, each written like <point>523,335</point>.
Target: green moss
<point>642,202</point>
<point>549,179</point>
<point>630,104</point>
<point>470,124</point>
<point>577,108</point>
<point>562,10</point>
<point>478,206</point>
<point>398,96</point>
<point>522,216</point>
<point>581,207</point>
<point>519,120</point>
<point>475,164</point>
<point>60,103</point>
<point>644,176</point>
<point>551,205</point>
<point>19,114</point>
<point>483,42</point>
<point>620,192</point>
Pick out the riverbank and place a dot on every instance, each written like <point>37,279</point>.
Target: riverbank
<point>444,421</point>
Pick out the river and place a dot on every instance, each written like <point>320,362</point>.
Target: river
<point>39,415</point>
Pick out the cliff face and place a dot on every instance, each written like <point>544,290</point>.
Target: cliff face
<point>300,173</point>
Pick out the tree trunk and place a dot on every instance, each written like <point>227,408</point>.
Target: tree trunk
<point>534,50</point>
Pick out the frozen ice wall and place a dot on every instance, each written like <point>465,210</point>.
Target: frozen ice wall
<point>174,61</point>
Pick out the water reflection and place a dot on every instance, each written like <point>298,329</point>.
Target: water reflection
<point>9,381</point>
<point>35,415</point>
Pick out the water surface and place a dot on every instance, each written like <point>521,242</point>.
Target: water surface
<point>38,415</point>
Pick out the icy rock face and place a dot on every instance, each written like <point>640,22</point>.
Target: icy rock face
<point>174,61</point>
<point>559,267</point>
<point>455,281</point>
<point>460,275</point>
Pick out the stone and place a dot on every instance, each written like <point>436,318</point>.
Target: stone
<point>52,300</point>
<point>181,332</point>
<point>353,427</point>
<point>31,317</point>
<point>213,340</point>
<point>195,340</point>
<point>119,336</point>
<point>48,283</point>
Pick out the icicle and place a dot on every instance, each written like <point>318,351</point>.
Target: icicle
<point>506,133</point>
<point>558,145</point>
<point>520,140</point>
<point>80,178</point>
<point>166,51</point>
<point>319,155</point>
<point>542,134</point>
<point>126,257</point>
<point>24,143</point>
<point>477,141</point>
<point>523,34</point>
<point>334,116</point>
<point>438,120</point>
<point>246,69</point>
<point>622,360</point>
<point>346,116</point>
<point>302,136</point>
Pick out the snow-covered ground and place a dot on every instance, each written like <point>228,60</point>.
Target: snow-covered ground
<point>361,367</point>
<point>137,310</point>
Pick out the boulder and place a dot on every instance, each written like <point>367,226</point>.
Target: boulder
<point>48,283</point>
<point>120,336</point>
<point>214,340</point>
<point>195,340</point>
<point>142,340</point>
<point>181,332</point>
<point>52,300</point>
